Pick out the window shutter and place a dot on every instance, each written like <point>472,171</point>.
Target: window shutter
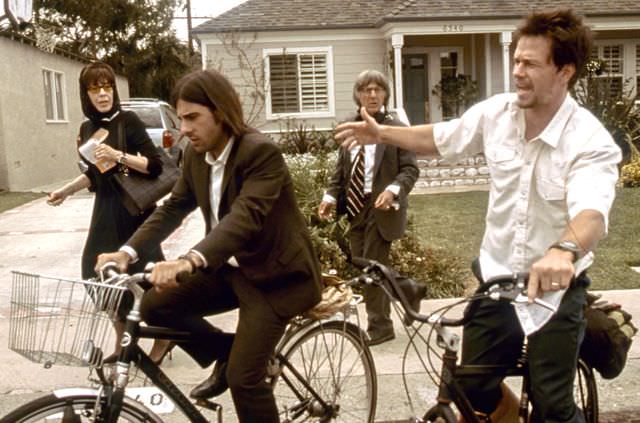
<point>313,83</point>
<point>283,78</point>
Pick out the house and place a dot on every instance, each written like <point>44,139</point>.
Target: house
<point>298,59</point>
<point>40,114</point>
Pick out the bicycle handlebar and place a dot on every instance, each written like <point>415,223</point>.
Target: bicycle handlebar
<point>502,288</point>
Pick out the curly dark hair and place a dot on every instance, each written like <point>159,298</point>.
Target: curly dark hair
<point>571,40</point>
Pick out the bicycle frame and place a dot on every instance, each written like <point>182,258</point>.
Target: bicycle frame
<point>132,353</point>
<point>449,390</point>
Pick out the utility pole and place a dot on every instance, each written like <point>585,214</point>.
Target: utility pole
<point>189,27</point>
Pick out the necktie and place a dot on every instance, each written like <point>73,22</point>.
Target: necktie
<point>355,194</point>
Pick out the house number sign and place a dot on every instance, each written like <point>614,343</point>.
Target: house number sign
<point>452,28</point>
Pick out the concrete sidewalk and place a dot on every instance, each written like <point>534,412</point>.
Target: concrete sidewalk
<point>48,240</point>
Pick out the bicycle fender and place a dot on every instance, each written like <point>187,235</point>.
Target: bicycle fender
<point>72,392</point>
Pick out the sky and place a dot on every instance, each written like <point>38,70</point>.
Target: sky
<point>202,8</point>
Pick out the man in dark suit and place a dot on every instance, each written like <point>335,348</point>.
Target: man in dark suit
<point>381,216</point>
<point>256,255</point>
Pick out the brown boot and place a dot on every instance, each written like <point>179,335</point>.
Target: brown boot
<point>505,412</point>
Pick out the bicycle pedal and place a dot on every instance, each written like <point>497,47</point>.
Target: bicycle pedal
<point>209,405</point>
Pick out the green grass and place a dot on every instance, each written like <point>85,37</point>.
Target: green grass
<point>455,222</point>
<point>9,199</point>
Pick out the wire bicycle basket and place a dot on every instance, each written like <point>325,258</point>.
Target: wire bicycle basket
<point>62,321</point>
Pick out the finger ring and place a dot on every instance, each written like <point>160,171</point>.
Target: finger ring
<point>555,284</point>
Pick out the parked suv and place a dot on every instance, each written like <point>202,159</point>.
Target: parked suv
<point>161,123</point>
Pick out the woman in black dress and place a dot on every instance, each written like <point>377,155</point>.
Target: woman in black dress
<point>111,224</point>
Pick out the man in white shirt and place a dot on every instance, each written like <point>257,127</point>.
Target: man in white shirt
<point>553,173</point>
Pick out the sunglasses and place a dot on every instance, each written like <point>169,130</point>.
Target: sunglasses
<point>95,89</point>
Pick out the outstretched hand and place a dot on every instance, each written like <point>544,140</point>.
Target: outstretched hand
<point>351,134</point>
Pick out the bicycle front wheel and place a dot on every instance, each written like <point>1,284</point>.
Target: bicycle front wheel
<point>328,375</point>
<point>65,406</point>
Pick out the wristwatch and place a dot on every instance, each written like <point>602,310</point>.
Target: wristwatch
<point>566,245</point>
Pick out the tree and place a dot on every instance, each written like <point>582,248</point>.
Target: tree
<point>239,49</point>
<point>135,37</point>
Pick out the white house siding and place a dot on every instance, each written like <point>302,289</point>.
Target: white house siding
<point>351,55</point>
<point>34,152</point>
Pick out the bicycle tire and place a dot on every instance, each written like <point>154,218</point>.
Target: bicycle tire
<point>333,358</point>
<point>586,392</point>
<point>56,407</point>
<point>440,414</point>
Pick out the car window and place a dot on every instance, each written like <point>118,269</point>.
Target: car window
<point>150,116</point>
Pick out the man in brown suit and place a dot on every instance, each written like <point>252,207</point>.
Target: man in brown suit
<point>389,176</point>
<point>256,255</point>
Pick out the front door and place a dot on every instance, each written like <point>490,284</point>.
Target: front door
<point>415,87</point>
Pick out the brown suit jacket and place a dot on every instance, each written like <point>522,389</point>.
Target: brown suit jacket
<point>259,223</point>
<point>392,165</point>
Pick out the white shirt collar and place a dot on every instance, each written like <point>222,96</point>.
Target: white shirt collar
<point>553,131</point>
<point>223,157</point>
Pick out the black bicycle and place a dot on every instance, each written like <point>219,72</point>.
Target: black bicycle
<point>509,288</point>
<point>322,370</point>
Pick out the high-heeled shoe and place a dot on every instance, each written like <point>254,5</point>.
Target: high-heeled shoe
<point>165,351</point>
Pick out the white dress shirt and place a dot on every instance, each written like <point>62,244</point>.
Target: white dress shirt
<point>215,193</point>
<point>369,161</point>
<point>537,185</point>
<point>215,189</point>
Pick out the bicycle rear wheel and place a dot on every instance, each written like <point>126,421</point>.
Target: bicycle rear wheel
<point>336,364</point>
<point>64,406</point>
<point>586,392</point>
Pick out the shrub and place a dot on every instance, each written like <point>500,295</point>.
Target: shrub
<point>296,137</point>
<point>442,272</point>
<point>630,176</point>
<point>614,107</point>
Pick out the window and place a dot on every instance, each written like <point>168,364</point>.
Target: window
<point>300,82</point>
<point>638,71</point>
<point>53,95</point>
<point>449,74</point>
<point>612,57</point>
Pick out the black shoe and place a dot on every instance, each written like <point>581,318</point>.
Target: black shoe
<point>214,385</point>
<point>414,292</point>
<point>378,336</point>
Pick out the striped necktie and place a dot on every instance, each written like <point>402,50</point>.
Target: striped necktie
<point>355,194</point>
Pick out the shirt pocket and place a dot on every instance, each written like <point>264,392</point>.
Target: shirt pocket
<point>550,189</point>
<point>502,158</point>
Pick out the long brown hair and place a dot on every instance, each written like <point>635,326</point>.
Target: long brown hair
<point>213,90</point>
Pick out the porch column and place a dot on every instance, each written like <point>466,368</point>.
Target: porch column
<point>488,72</point>
<point>397,41</point>
<point>505,40</point>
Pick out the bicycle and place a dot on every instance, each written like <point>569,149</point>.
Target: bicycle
<point>508,288</point>
<point>322,370</point>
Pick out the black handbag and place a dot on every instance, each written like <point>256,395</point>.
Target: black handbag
<point>138,191</point>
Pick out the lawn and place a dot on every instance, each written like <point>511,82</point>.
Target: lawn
<point>455,222</point>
